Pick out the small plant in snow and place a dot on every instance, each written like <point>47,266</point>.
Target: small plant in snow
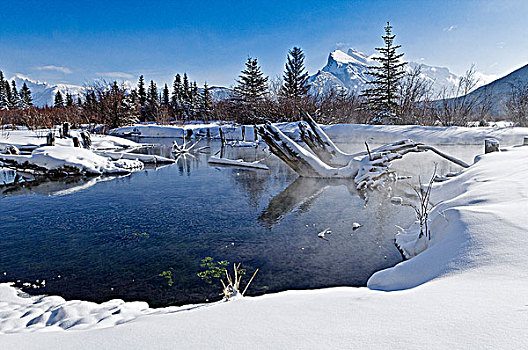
<point>219,270</point>
<point>424,206</point>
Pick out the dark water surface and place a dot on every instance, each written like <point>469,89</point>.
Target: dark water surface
<point>103,238</point>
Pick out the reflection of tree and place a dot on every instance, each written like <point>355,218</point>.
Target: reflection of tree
<point>253,182</point>
<point>301,194</point>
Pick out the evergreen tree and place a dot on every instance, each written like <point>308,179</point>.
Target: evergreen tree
<point>141,91</point>
<point>207,103</point>
<point>151,107</point>
<point>69,100</point>
<point>152,94</point>
<point>59,101</point>
<point>382,97</point>
<point>295,77</point>
<point>14,101</point>
<point>177,89</point>
<point>252,84</point>
<point>3,96</point>
<point>7,95</point>
<point>186,91</point>
<point>165,97</point>
<point>26,101</point>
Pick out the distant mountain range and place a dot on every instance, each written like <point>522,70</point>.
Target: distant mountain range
<point>43,93</point>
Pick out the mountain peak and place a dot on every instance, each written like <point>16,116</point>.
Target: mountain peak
<point>351,57</point>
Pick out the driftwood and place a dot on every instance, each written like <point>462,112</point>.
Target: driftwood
<point>327,161</point>
<point>319,142</point>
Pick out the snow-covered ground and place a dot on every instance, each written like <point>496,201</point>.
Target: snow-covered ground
<point>467,289</point>
<point>348,133</point>
<point>27,139</point>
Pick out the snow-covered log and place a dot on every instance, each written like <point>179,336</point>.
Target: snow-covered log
<point>366,170</point>
<point>319,142</point>
<point>145,158</point>
<point>237,162</point>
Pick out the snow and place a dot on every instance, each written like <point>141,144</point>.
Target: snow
<point>432,135</point>
<point>83,160</point>
<point>231,131</point>
<point>237,162</point>
<point>465,289</point>
<point>27,139</point>
<point>379,134</point>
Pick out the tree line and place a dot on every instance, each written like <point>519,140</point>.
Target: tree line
<point>393,96</point>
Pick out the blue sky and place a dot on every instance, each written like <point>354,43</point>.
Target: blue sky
<point>78,41</point>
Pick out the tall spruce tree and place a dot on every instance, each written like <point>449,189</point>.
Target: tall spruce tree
<point>186,90</point>
<point>3,94</point>
<point>69,100</point>
<point>252,84</point>
<point>59,100</point>
<point>177,89</point>
<point>142,94</point>
<point>14,100</point>
<point>382,95</point>
<point>152,94</point>
<point>26,101</point>
<point>207,103</point>
<point>295,77</point>
<point>165,98</point>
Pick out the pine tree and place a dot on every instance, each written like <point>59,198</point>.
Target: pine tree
<point>14,99</point>
<point>26,101</point>
<point>3,95</point>
<point>382,97</point>
<point>207,103</point>
<point>69,100</point>
<point>165,98</point>
<point>141,91</point>
<point>59,101</point>
<point>152,94</point>
<point>295,77</point>
<point>186,92</point>
<point>177,88</point>
<point>252,84</point>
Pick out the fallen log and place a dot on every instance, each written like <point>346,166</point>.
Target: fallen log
<point>320,144</point>
<point>367,171</point>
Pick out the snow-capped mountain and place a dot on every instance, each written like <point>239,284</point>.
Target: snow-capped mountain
<point>43,93</point>
<point>349,70</point>
<point>220,93</point>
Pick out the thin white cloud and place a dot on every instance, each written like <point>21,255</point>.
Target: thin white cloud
<point>486,78</point>
<point>64,70</point>
<point>450,28</point>
<point>119,75</point>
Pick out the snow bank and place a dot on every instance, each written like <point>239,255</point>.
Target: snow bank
<point>466,290</point>
<point>68,158</point>
<point>424,134</point>
<point>231,131</point>
<point>29,140</point>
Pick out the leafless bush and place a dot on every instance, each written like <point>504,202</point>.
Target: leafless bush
<point>517,103</point>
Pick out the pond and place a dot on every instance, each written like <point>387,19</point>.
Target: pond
<point>103,238</point>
